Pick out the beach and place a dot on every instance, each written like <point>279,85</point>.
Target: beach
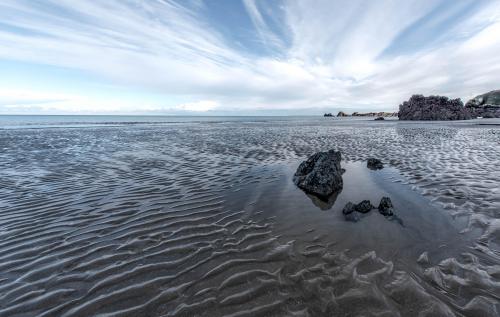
<point>167,216</point>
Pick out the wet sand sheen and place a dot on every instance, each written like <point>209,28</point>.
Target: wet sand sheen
<point>203,220</point>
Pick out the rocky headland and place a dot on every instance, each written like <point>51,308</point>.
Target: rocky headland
<point>381,114</point>
<point>486,105</point>
<point>419,107</point>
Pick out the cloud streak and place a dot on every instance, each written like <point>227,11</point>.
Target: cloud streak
<point>349,55</point>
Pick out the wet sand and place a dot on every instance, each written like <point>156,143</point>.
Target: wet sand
<point>203,219</point>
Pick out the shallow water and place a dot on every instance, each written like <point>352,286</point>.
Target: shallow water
<point>202,219</point>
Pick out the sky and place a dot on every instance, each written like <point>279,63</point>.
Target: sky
<point>248,57</point>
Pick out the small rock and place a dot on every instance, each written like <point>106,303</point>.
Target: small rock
<point>364,206</point>
<point>320,174</point>
<point>374,163</point>
<point>385,207</point>
<point>348,208</point>
<point>379,118</point>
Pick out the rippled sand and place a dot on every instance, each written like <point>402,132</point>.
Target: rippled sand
<point>202,219</point>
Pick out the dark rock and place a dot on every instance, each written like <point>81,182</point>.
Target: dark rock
<point>328,115</point>
<point>486,105</point>
<point>385,207</point>
<point>364,206</point>
<point>374,164</point>
<point>379,118</point>
<point>341,114</point>
<point>320,174</point>
<point>433,108</point>
<point>349,208</point>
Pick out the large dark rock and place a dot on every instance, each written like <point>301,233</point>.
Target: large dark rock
<point>321,174</point>
<point>385,207</point>
<point>433,108</point>
<point>486,105</point>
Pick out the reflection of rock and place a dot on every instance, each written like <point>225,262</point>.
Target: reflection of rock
<point>432,108</point>
<point>324,203</point>
<point>364,206</point>
<point>349,208</point>
<point>486,105</point>
<point>353,216</point>
<point>374,164</point>
<point>320,174</point>
<point>385,207</point>
<point>350,213</point>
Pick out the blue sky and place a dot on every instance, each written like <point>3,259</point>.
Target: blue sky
<point>242,57</point>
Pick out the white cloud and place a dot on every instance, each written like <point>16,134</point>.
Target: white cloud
<point>198,106</point>
<point>334,59</point>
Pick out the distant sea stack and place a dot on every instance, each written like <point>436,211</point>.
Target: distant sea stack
<point>433,108</point>
<point>486,105</point>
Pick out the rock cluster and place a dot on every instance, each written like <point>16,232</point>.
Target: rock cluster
<point>352,212</point>
<point>368,114</point>
<point>320,174</point>
<point>486,105</point>
<point>374,164</point>
<point>433,108</point>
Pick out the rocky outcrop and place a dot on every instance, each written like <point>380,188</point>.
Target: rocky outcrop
<point>433,108</point>
<point>486,105</point>
<point>328,115</point>
<point>368,114</point>
<point>320,174</point>
<point>374,164</point>
<point>379,118</point>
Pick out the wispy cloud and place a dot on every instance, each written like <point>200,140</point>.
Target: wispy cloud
<point>336,54</point>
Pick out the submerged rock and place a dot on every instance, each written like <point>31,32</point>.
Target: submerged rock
<point>320,174</point>
<point>433,108</point>
<point>374,163</point>
<point>364,206</point>
<point>486,105</point>
<point>385,207</point>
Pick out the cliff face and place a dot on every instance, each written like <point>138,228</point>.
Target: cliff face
<point>432,108</point>
<point>486,105</point>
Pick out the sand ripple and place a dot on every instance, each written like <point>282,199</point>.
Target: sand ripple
<point>165,221</point>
